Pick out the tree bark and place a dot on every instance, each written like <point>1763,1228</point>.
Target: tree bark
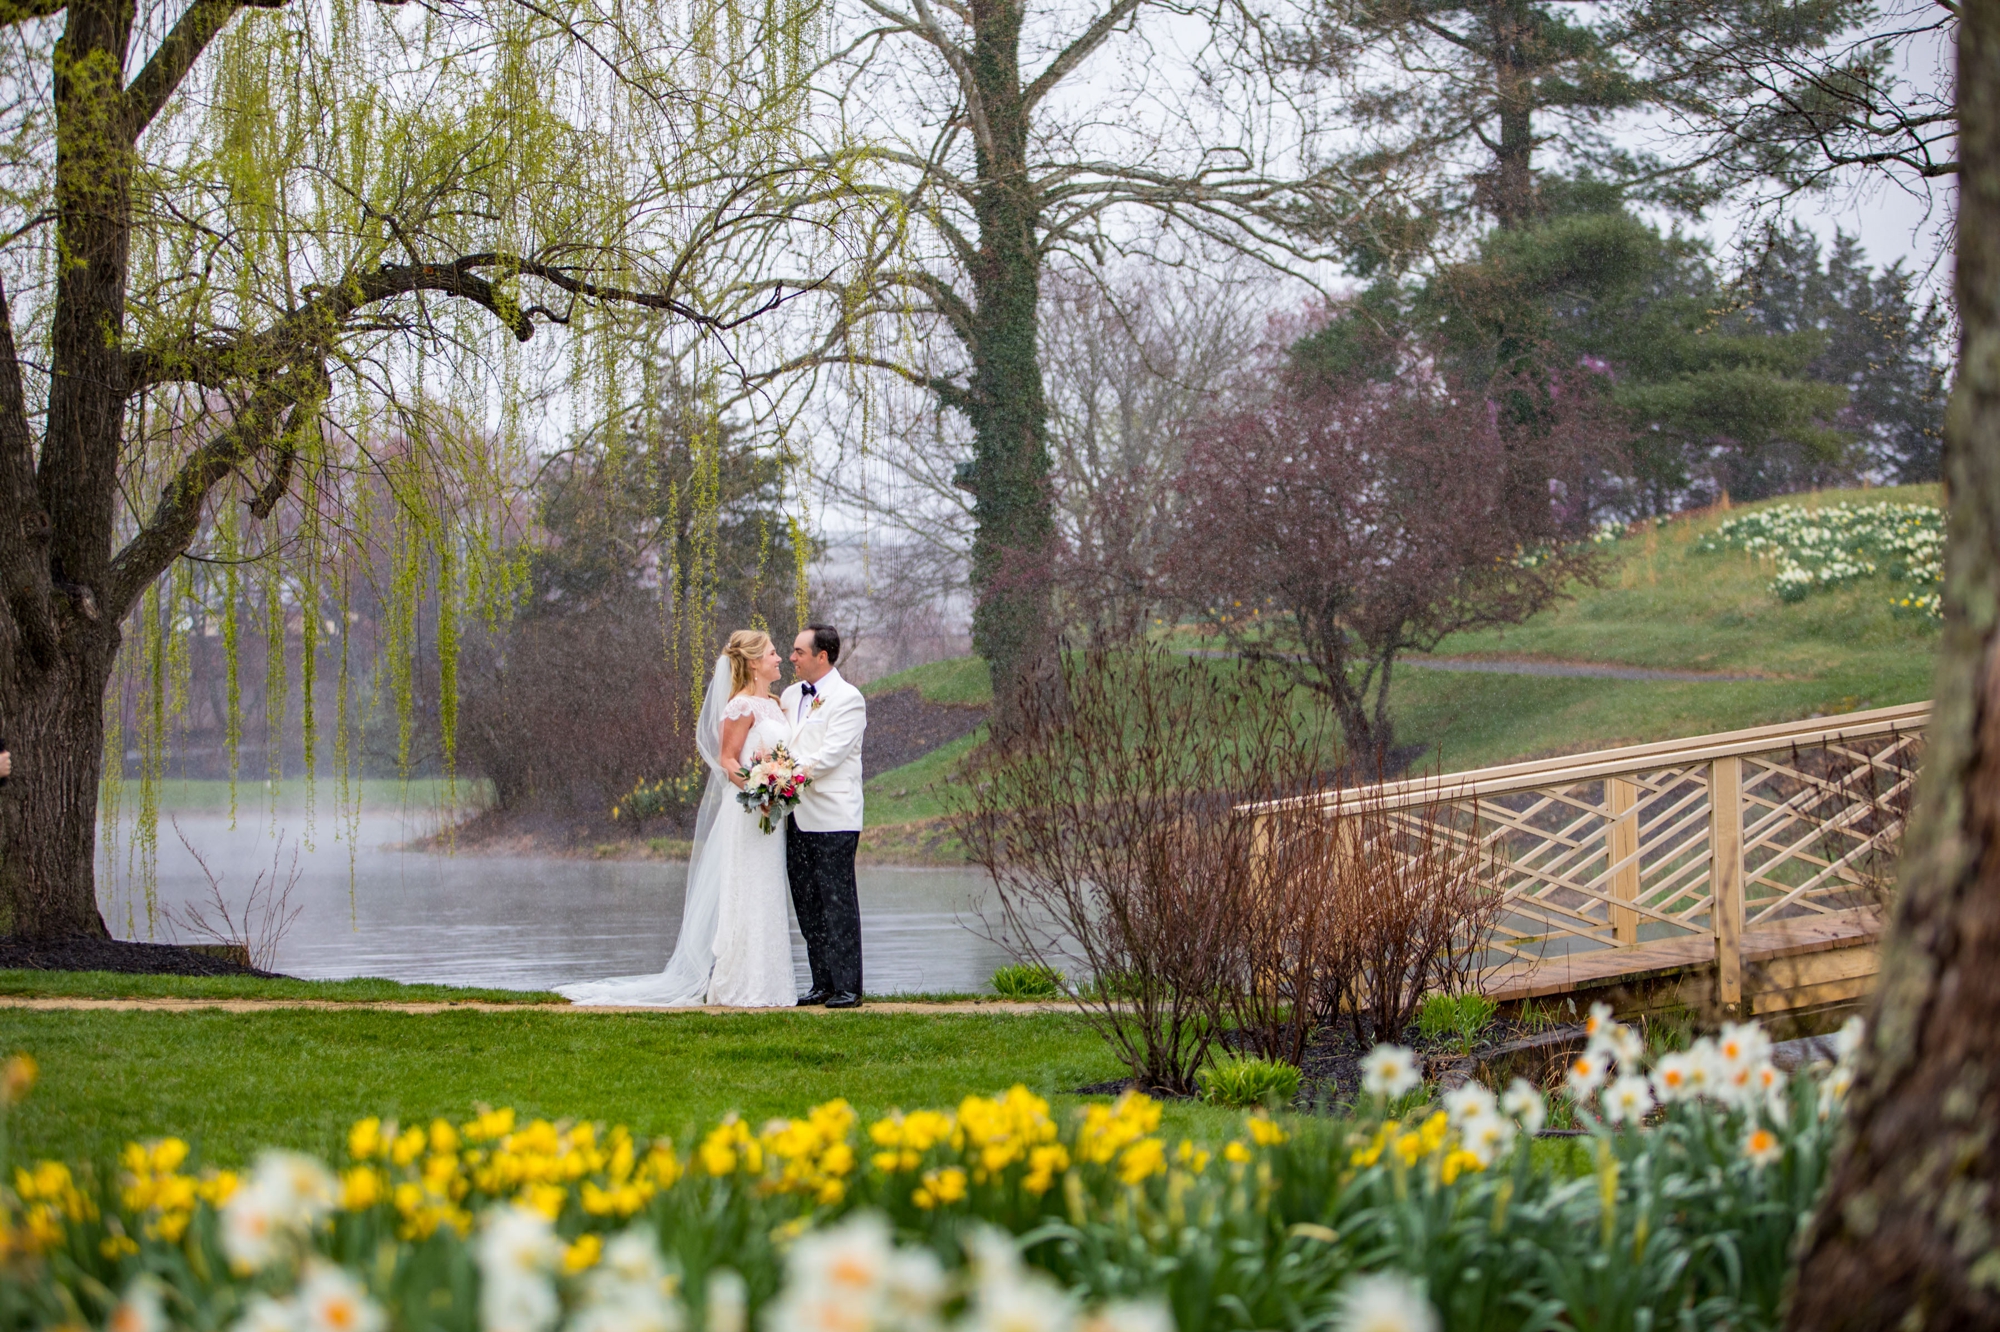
<point>1509,188</point>
<point>55,699</point>
<point>48,812</point>
<point>1009,477</point>
<point>1908,1235</point>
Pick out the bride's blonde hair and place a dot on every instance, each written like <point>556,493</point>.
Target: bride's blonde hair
<point>746,648</point>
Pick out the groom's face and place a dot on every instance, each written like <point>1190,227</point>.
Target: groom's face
<point>809,664</point>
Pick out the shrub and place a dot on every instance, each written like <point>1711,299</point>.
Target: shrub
<point>1106,817</point>
<point>1027,980</point>
<point>1239,1084</point>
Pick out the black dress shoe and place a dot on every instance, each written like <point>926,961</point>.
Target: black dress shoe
<point>812,998</point>
<point>845,999</point>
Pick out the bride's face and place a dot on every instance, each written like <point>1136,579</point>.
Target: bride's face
<point>771,666</point>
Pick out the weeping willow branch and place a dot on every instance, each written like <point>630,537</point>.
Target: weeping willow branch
<point>174,521</point>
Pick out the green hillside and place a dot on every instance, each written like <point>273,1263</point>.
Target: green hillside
<point>1662,605</point>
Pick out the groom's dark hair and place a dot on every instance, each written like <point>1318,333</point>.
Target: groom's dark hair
<point>826,639</point>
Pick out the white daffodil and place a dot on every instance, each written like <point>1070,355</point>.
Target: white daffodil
<point>1389,1071</point>
<point>140,1310</point>
<point>1627,1099</point>
<point>264,1314</point>
<point>1740,1045</point>
<point>633,1256</point>
<point>1028,1303</point>
<point>1384,1302</point>
<point>1674,1078</point>
<point>518,1303</point>
<point>1131,1316</point>
<point>1847,1041</point>
<point>851,1258</point>
<point>728,1303</point>
<point>253,1237</point>
<point>1627,1046</point>
<point>1597,1025</point>
<point>299,1189</point>
<point>1469,1101</point>
<point>331,1299</point>
<point>914,1288</point>
<point>517,1253</point>
<point>1586,1074</point>
<point>1487,1136</point>
<point>633,1307</point>
<point>1524,1101</point>
<point>1761,1147</point>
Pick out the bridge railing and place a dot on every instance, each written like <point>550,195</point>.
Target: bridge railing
<point>1699,839</point>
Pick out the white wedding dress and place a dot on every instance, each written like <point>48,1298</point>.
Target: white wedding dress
<point>735,944</point>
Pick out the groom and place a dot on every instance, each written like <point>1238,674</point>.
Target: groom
<point>827,716</point>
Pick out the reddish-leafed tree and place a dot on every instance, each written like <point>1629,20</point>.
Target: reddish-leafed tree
<point>1341,521</point>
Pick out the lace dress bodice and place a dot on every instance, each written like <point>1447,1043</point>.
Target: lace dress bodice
<point>766,734</point>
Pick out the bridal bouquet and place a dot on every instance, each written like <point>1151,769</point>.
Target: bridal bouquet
<point>771,787</point>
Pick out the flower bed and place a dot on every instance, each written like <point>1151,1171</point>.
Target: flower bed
<point>1818,549</point>
<point>1680,1204</point>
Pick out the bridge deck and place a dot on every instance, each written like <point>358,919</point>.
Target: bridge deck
<point>1665,960</point>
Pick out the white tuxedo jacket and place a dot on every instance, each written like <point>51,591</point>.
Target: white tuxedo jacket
<point>827,740</point>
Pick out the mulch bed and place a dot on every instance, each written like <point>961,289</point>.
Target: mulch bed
<point>122,955</point>
<point>1331,1067</point>
<point>903,726</point>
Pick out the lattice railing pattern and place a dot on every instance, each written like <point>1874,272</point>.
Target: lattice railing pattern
<point>1700,838</point>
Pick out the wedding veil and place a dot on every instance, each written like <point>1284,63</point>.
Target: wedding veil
<point>685,981</point>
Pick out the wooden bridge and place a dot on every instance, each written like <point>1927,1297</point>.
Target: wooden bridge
<point>1746,872</point>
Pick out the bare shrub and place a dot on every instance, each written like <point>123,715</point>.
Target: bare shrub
<point>1292,937</point>
<point>259,926</point>
<point>1356,909</point>
<point>1417,905</point>
<point>1107,820</point>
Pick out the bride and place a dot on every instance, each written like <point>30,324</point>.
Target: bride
<point>735,945</point>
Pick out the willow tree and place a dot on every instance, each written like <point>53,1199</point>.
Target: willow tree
<point>1008,135</point>
<point>276,259</point>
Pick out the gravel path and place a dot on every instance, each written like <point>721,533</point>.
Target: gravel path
<point>1592,670</point>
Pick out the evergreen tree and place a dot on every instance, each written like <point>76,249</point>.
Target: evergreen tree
<point>1878,342</point>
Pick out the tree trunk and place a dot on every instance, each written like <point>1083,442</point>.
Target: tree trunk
<point>1009,477</point>
<point>55,730</point>
<point>1908,1235</point>
<point>48,811</point>
<point>1509,189</point>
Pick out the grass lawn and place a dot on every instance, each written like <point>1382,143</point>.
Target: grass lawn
<point>1661,604</point>
<point>365,989</point>
<point>231,1083</point>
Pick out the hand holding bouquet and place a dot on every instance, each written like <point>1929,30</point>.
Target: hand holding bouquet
<point>771,786</point>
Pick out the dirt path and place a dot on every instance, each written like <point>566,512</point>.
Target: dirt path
<point>79,1003</point>
<point>1591,670</point>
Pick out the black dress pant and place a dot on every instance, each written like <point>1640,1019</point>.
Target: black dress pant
<point>820,866</point>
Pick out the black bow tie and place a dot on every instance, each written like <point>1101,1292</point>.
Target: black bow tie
<point>809,691</point>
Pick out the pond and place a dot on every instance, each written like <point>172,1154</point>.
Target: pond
<point>514,922</point>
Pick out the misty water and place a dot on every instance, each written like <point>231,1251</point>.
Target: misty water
<point>515,922</point>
